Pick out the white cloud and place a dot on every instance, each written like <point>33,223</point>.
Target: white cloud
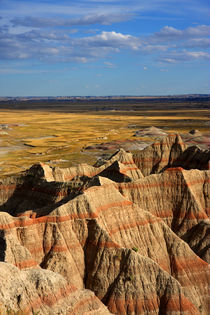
<point>109,65</point>
<point>166,59</point>
<point>178,56</point>
<point>54,45</point>
<point>111,39</point>
<point>197,42</point>
<point>169,33</point>
<point>197,54</point>
<point>49,45</point>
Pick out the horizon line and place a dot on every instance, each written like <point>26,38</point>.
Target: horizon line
<point>104,96</point>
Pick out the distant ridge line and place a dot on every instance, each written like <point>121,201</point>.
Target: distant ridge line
<point>111,97</point>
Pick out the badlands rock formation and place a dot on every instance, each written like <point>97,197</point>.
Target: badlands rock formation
<point>151,131</point>
<point>127,237</point>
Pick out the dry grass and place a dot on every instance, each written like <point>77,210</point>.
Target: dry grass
<point>60,137</point>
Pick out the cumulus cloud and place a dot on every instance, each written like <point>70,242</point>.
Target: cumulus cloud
<point>112,40</point>
<point>177,45</point>
<point>169,38</point>
<point>54,45</point>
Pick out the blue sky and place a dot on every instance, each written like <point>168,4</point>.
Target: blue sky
<point>110,47</point>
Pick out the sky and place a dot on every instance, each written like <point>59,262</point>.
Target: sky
<point>104,47</point>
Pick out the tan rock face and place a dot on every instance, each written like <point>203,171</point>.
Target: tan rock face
<point>88,240</point>
<point>160,155</point>
<point>179,197</point>
<point>170,151</point>
<point>47,291</point>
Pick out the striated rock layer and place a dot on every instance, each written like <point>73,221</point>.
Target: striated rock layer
<point>127,237</point>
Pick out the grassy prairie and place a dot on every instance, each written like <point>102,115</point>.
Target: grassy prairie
<point>59,137</point>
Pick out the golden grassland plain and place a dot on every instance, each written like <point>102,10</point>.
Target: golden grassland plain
<point>59,138</point>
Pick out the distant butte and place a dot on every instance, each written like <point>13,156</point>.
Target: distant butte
<point>127,237</point>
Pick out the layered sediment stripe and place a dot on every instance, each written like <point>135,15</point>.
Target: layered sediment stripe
<point>132,225</point>
<point>113,205</point>
<point>183,268</point>
<point>134,168</point>
<point>26,264</point>
<point>50,298</point>
<point>63,249</point>
<point>55,248</point>
<point>169,214</point>
<point>21,222</point>
<point>128,163</point>
<point>179,304</point>
<point>79,307</point>
<point>175,169</point>
<point>118,305</point>
<point>163,184</point>
<point>49,219</point>
<point>137,305</point>
<point>182,264</point>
